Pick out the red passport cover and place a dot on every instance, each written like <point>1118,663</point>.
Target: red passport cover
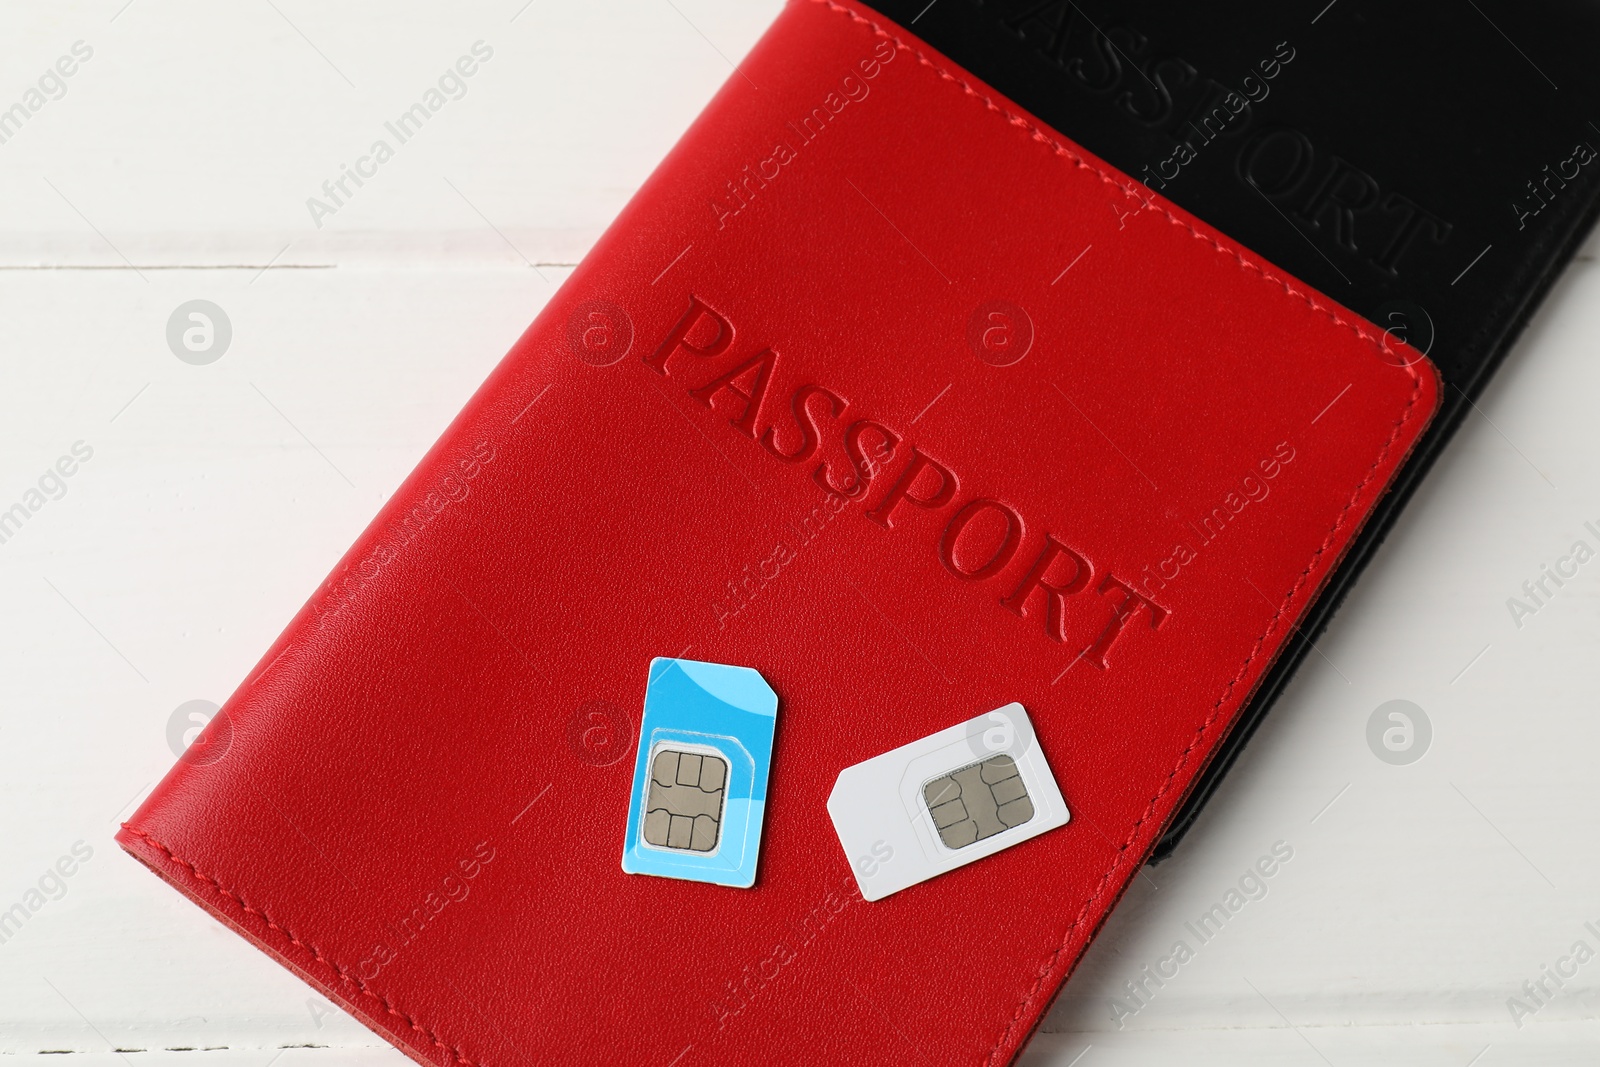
<point>884,389</point>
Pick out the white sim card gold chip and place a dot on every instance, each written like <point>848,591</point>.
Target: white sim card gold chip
<point>944,800</point>
<point>978,801</point>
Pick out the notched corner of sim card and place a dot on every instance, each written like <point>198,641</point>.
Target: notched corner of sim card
<point>944,801</point>
<point>700,773</point>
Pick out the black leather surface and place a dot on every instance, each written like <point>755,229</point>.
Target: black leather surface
<point>1417,160</point>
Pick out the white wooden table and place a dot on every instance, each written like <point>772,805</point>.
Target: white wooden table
<point>177,165</point>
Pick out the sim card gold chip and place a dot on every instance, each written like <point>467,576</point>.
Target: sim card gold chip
<point>978,801</point>
<point>684,806</point>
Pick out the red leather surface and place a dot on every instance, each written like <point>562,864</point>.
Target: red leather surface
<point>422,803</point>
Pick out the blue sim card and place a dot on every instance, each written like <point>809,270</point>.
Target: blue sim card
<point>700,775</point>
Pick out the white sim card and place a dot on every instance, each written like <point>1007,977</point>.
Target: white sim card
<point>944,800</point>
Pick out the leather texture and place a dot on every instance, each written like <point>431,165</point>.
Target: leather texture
<point>1382,152</point>
<point>1023,403</point>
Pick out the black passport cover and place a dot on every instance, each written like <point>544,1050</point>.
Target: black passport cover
<point>1431,165</point>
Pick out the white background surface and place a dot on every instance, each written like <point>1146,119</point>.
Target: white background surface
<point>177,166</point>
